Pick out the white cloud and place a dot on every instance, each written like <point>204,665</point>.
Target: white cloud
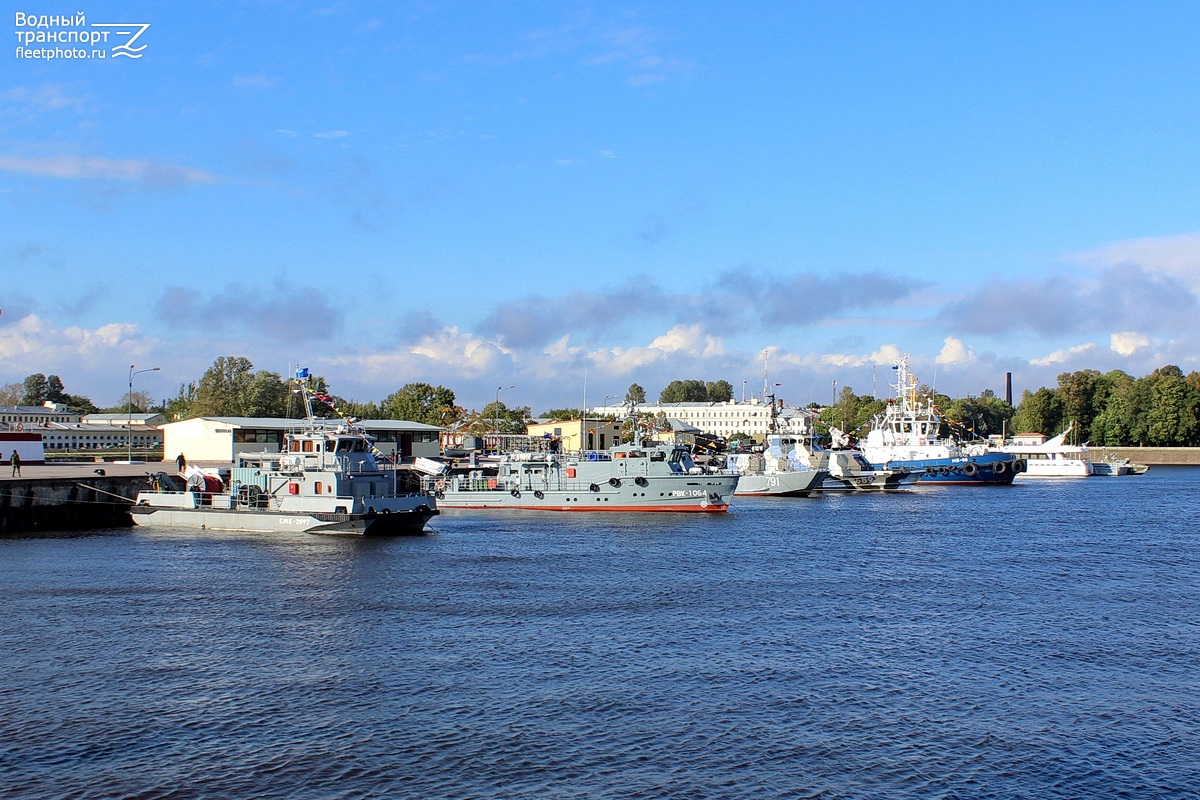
<point>80,167</point>
<point>331,134</point>
<point>47,97</point>
<point>687,340</point>
<point>562,348</point>
<point>253,82</point>
<point>1126,343</point>
<point>464,351</point>
<point>448,352</point>
<point>1177,255</point>
<point>954,351</point>
<point>887,354</point>
<point>32,342</point>
<point>1062,356</point>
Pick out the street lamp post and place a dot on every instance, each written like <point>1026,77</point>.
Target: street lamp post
<point>129,433</point>
<point>500,389</point>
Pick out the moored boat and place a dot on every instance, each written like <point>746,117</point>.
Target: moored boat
<point>1053,458</point>
<point>849,471</point>
<point>1114,466</point>
<point>326,480</point>
<point>634,477</point>
<point>775,472</point>
<point>908,434</point>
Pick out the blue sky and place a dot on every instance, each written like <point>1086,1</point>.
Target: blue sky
<point>568,198</point>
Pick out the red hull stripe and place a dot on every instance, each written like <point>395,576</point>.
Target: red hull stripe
<point>712,507</point>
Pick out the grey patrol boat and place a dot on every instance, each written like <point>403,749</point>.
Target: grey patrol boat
<point>326,480</point>
<point>634,477</point>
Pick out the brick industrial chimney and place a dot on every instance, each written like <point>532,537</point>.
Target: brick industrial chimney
<point>1008,388</point>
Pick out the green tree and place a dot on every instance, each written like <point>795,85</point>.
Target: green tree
<point>979,417</point>
<point>503,419</point>
<point>495,418</point>
<point>719,391</point>
<point>55,391</point>
<point>11,394</point>
<point>180,406</point>
<point>1111,427</point>
<point>1111,401</point>
<point>1039,412</point>
<point>224,389</point>
<point>80,404</point>
<point>421,402</point>
<point>1172,417</point>
<point>635,395</point>
<point>689,391</point>
<point>561,414</point>
<point>266,395</point>
<point>851,413</point>
<point>136,403</point>
<point>358,410</point>
<point>1076,394</point>
<point>35,390</point>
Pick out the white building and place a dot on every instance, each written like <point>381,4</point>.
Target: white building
<point>220,439</point>
<point>96,435</point>
<point>751,417</point>
<point>22,417</point>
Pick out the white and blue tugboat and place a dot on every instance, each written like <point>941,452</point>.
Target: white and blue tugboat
<point>326,480</point>
<point>908,434</point>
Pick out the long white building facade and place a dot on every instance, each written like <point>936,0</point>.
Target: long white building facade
<point>752,417</point>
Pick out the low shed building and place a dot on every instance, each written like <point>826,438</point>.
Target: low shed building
<point>222,438</point>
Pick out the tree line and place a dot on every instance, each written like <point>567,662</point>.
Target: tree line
<point>1111,409</point>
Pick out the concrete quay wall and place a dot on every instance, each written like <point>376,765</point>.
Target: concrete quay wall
<point>1166,456</point>
<point>84,501</point>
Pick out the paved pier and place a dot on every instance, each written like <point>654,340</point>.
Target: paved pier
<point>71,496</point>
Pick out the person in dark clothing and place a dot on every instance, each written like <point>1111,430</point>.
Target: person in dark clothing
<point>180,461</point>
<point>16,464</point>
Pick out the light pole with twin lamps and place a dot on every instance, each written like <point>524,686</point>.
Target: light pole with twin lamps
<point>129,434</point>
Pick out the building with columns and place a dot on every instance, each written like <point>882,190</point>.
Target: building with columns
<point>752,417</point>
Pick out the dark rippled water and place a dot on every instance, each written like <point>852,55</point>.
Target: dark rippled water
<point>1038,641</point>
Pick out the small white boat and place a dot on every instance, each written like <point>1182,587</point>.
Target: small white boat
<point>1114,466</point>
<point>1053,458</point>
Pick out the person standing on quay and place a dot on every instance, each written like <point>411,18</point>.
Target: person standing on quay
<point>16,464</point>
<point>180,461</point>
